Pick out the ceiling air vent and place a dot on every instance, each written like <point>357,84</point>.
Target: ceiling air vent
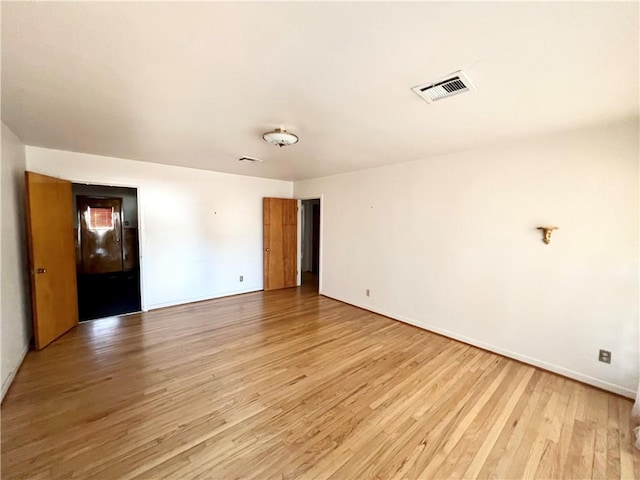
<point>445,87</point>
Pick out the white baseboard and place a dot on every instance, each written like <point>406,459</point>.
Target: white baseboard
<point>9,380</point>
<point>611,387</point>
<point>184,301</point>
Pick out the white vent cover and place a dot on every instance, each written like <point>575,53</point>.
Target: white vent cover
<point>445,87</point>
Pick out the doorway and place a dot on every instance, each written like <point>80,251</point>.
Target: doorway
<point>310,245</point>
<point>107,246</point>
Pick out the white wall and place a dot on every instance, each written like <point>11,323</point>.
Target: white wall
<point>199,230</point>
<point>15,331</point>
<point>450,244</point>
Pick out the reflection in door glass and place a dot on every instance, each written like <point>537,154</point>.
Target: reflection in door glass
<point>99,218</point>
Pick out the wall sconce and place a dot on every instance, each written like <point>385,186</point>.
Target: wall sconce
<point>546,233</point>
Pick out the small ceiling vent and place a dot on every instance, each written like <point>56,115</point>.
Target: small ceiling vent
<point>445,87</point>
<point>249,159</point>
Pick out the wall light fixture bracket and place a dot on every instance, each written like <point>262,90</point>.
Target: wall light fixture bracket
<point>546,233</point>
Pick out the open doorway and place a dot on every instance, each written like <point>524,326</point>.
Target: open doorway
<point>107,259</point>
<point>310,245</point>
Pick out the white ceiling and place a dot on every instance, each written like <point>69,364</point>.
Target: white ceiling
<point>196,84</point>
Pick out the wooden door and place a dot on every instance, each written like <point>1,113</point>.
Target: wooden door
<point>280,221</point>
<point>100,234</point>
<point>54,294</point>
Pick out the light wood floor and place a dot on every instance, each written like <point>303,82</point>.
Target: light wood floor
<point>287,384</point>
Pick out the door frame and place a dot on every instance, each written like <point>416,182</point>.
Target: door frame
<point>321,241</point>
<point>141,243</point>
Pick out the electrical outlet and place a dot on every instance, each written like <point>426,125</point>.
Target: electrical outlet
<point>604,356</point>
<point>242,278</point>
<point>368,292</point>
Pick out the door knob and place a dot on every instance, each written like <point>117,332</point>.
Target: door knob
<point>266,249</point>
<point>41,270</point>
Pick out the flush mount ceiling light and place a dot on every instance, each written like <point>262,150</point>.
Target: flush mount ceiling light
<point>280,137</point>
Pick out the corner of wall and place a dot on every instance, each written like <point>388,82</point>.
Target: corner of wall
<point>15,318</point>
<point>6,382</point>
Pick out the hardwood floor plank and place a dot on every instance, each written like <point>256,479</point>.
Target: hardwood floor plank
<point>453,437</point>
<point>613,439</point>
<point>288,384</point>
<point>501,455</point>
<point>462,454</point>
<point>505,411</point>
<point>627,451</point>
<point>598,416</point>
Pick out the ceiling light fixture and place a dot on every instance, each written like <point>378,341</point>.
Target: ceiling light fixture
<point>280,137</point>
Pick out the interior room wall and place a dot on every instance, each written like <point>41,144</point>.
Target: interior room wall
<point>199,230</point>
<point>450,244</point>
<point>15,331</point>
